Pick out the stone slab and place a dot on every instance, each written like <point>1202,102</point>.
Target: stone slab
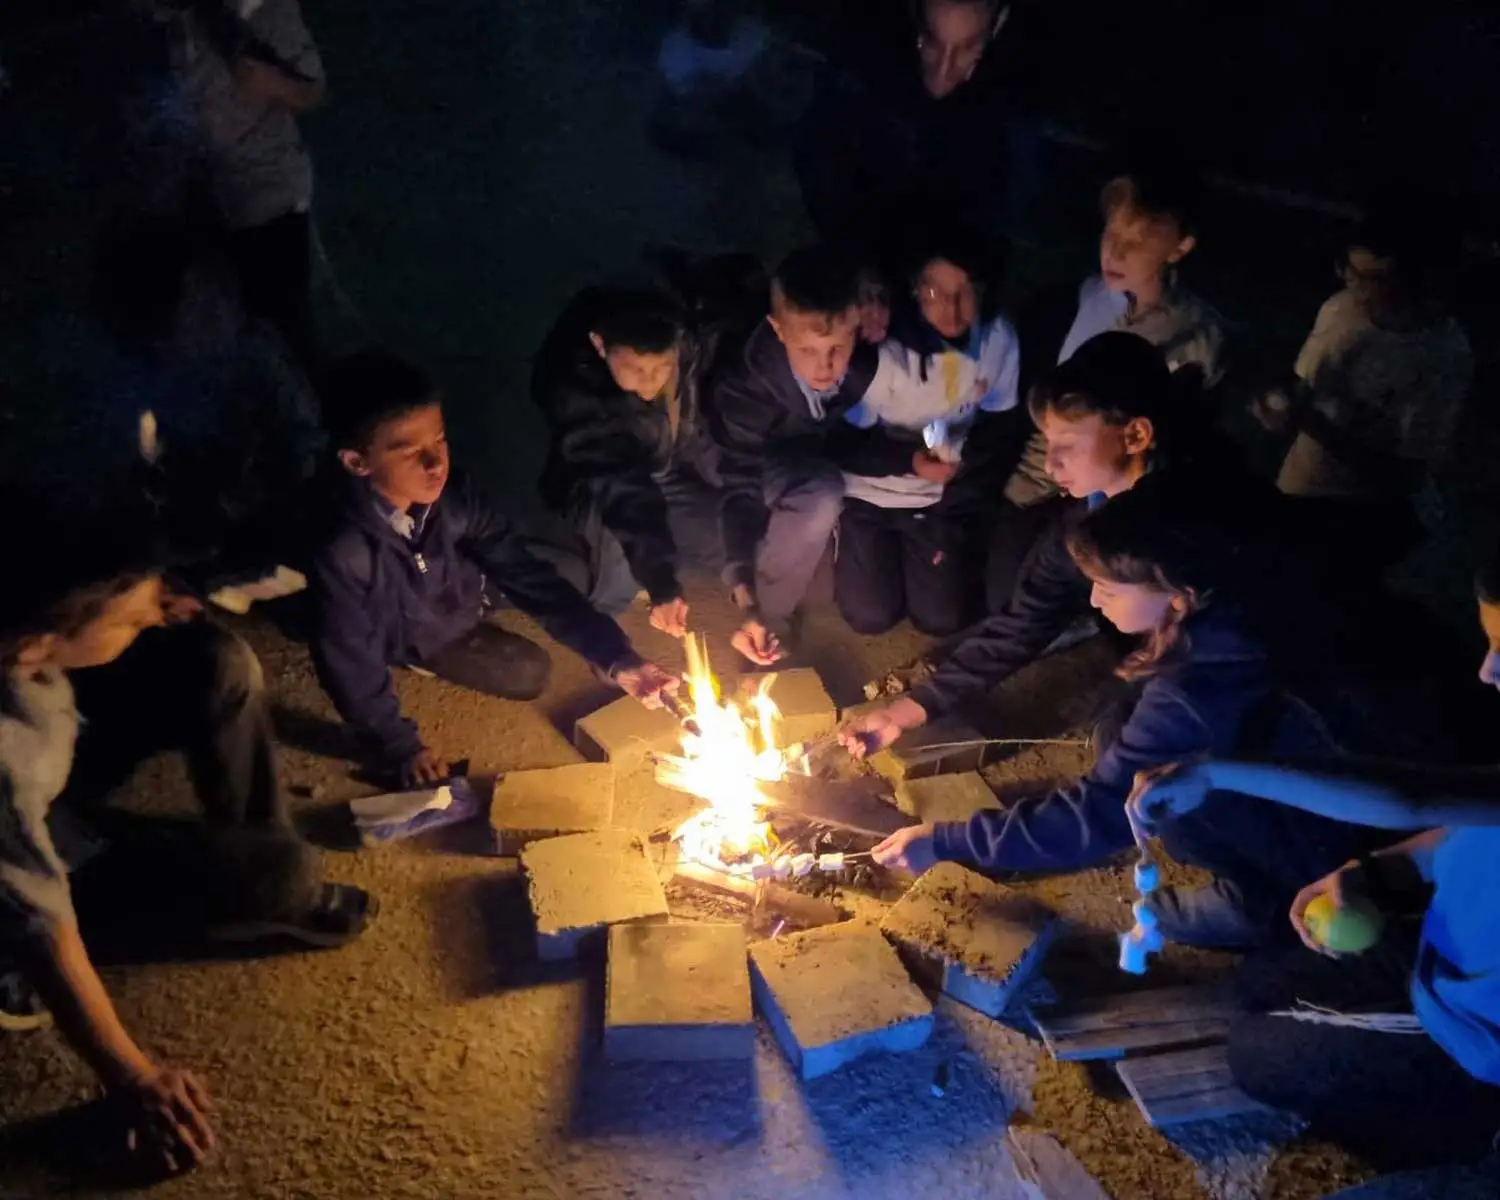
<point>527,806</point>
<point>977,940</point>
<point>625,732</point>
<point>835,994</point>
<point>929,750</point>
<point>677,993</point>
<point>945,797</point>
<point>581,884</point>
<point>807,711</point>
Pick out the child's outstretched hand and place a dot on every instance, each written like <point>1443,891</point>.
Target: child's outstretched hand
<point>1165,793</point>
<point>671,618</point>
<point>910,849</point>
<point>647,682</point>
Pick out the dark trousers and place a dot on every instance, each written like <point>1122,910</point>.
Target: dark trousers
<point>273,263</point>
<point>1396,1100</point>
<point>894,563</point>
<point>493,661</point>
<point>1260,853</point>
<point>200,690</point>
<point>594,560</point>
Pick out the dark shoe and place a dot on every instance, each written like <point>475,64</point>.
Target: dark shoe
<point>1211,917</point>
<point>21,1009</point>
<point>338,914</point>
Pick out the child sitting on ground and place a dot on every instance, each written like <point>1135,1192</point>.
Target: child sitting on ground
<point>1149,228</point>
<point>401,575</point>
<point>1398,1101</point>
<point>1379,386</point>
<point>1108,418</point>
<point>630,467</point>
<point>90,684</point>
<point>1188,572</point>
<point>946,361</point>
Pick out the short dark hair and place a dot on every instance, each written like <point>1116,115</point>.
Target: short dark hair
<point>1487,578</point>
<point>109,552</point>
<point>1158,191</point>
<point>964,250</point>
<point>644,321</point>
<point>361,392</point>
<point>1116,374</point>
<point>817,281</point>
<point>1407,230</point>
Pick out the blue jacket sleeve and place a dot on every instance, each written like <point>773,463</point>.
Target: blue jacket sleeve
<point>1049,595</point>
<point>347,653</point>
<point>1080,825</point>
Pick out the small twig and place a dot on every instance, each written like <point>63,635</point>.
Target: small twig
<point>1006,742</point>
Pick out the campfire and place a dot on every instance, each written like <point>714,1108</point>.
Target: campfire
<point>728,751</point>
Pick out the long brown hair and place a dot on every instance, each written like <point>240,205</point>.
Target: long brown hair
<point>1168,534</point>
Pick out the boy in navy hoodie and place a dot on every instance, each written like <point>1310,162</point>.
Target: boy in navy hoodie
<point>777,412</point>
<point>401,577</point>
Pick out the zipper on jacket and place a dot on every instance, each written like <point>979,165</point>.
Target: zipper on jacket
<point>421,562</point>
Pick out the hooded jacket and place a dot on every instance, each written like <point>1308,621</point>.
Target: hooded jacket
<point>383,600</point>
<point>758,414</point>
<point>609,448</point>
<point>1215,694</point>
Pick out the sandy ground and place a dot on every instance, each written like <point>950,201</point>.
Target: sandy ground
<point>477,163</point>
<point>435,1058</point>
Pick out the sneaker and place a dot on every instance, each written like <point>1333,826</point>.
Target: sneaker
<point>338,914</point>
<point>21,1008</point>
<point>1211,917</point>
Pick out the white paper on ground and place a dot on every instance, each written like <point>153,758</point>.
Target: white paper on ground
<point>398,807</point>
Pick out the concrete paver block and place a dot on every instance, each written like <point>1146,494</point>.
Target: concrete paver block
<point>581,884</point>
<point>945,797</point>
<point>624,732</point>
<point>930,750</point>
<point>835,994</point>
<point>978,940</point>
<point>806,709</point>
<point>677,993</point>
<point>530,805</point>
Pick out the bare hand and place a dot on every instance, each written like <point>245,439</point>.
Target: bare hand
<point>258,79</point>
<point>757,643</point>
<point>1165,793</point>
<point>1272,409</point>
<point>423,769</point>
<point>878,729</point>
<point>1341,886</point>
<point>166,1114</point>
<point>933,468</point>
<point>178,607</point>
<point>647,682</point>
<point>910,849</point>
<point>671,617</point>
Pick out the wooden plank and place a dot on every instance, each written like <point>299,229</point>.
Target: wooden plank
<point>1185,1085</point>
<point>1106,1044</point>
<point>1109,1026</point>
<point>862,805</point>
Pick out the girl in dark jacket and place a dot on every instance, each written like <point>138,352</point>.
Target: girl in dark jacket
<point>1169,563</point>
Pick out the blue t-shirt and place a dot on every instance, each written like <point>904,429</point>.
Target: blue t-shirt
<point>1456,987</point>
